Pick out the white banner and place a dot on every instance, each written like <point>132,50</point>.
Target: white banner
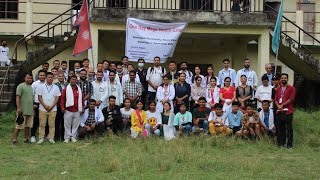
<point>147,39</point>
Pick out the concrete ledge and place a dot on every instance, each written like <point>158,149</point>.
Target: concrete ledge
<point>214,18</point>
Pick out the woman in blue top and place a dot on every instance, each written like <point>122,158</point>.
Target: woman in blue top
<point>183,120</point>
<point>182,93</point>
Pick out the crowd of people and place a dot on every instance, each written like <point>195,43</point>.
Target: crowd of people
<point>74,104</point>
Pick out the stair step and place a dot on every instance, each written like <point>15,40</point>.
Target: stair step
<point>13,73</point>
<point>4,106</point>
<point>15,67</point>
<point>5,87</point>
<point>6,96</point>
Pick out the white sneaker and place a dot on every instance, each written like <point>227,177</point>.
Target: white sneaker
<point>40,141</point>
<point>33,139</point>
<point>51,141</point>
<point>73,139</point>
<point>66,141</point>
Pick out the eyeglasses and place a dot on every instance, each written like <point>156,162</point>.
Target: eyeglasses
<point>227,81</point>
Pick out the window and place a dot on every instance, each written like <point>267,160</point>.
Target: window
<point>9,9</point>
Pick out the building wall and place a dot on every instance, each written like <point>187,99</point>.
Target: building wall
<point>41,15</point>
<point>195,50</point>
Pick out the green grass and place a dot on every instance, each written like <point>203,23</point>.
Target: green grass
<point>184,158</point>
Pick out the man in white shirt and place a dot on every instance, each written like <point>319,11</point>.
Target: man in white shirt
<point>154,78</point>
<point>100,91</point>
<point>115,88</point>
<point>184,69</point>
<point>92,120</point>
<point>227,72</point>
<point>4,54</point>
<point>64,69</point>
<point>264,92</point>
<point>35,85</point>
<point>48,94</point>
<point>105,65</point>
<point>252,79</point>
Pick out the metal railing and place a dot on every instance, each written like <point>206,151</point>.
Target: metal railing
<point>272,14</point>
<point>185,5</point>
<point>47,31</point>
<point>40,13</point>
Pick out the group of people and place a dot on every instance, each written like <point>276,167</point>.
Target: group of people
<point>117,98</point>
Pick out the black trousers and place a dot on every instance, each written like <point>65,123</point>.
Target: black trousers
<point>236,129</point>
<point>144,99</point>
<point>59,126</point>
<point>35,125</point>
<point>99,130</point>
<point>285,134</point>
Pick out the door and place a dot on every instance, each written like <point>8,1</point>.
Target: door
<point>308,20</point>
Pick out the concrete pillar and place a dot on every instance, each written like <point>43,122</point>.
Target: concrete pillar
<point>93,52</point>
<point>29,16</point>
<point>263,53</point>
<point>299,22</point>
<point>317,16</point>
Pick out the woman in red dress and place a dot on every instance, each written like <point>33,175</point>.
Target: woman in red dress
<point>227,94</point>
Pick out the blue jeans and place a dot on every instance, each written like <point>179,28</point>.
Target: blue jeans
<point>205,126</point>
<point>148,128</point>
<point>187,129</point>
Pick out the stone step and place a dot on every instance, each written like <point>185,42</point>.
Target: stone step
<point>11,80</point>
<point>12,73</point>
<point>4,106</point>
<point>5,87</point>
<point>15,67</point>
<point>6,96</point>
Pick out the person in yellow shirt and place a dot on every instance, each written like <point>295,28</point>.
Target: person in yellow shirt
<point>138,121</point>
<point>217,121</point>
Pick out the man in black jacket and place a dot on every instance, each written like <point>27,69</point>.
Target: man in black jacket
<point>142,73</point>
<point>112,116</point>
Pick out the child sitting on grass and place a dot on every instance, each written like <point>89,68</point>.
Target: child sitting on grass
<point>183,120</point>
<point>250,123</point>
<point>154,119</point>
<point>216,121</point>
<point>138,121</point>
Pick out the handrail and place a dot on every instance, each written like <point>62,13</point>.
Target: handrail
<point>15,49</point>
<point>300,29</point>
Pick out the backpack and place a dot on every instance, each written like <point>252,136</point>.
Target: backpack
<point>152,69</point>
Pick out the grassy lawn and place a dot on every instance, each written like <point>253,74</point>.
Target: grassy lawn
<point>185,158</point>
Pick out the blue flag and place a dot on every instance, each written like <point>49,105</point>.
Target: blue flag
<point>277,30</point>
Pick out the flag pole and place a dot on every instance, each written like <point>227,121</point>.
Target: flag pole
<point>92,61</point>
<point>276,62</point>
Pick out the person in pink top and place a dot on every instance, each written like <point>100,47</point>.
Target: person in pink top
<point>227,94</point>
<point>284,100</point>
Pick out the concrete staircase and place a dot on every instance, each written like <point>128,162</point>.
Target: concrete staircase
<point>298,59</point>
<point>9,86</point>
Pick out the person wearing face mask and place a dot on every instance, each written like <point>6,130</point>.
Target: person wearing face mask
<point>77,69</point>
<point>142,73</point>
<point>4,54</point>
<point>284,100</point>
